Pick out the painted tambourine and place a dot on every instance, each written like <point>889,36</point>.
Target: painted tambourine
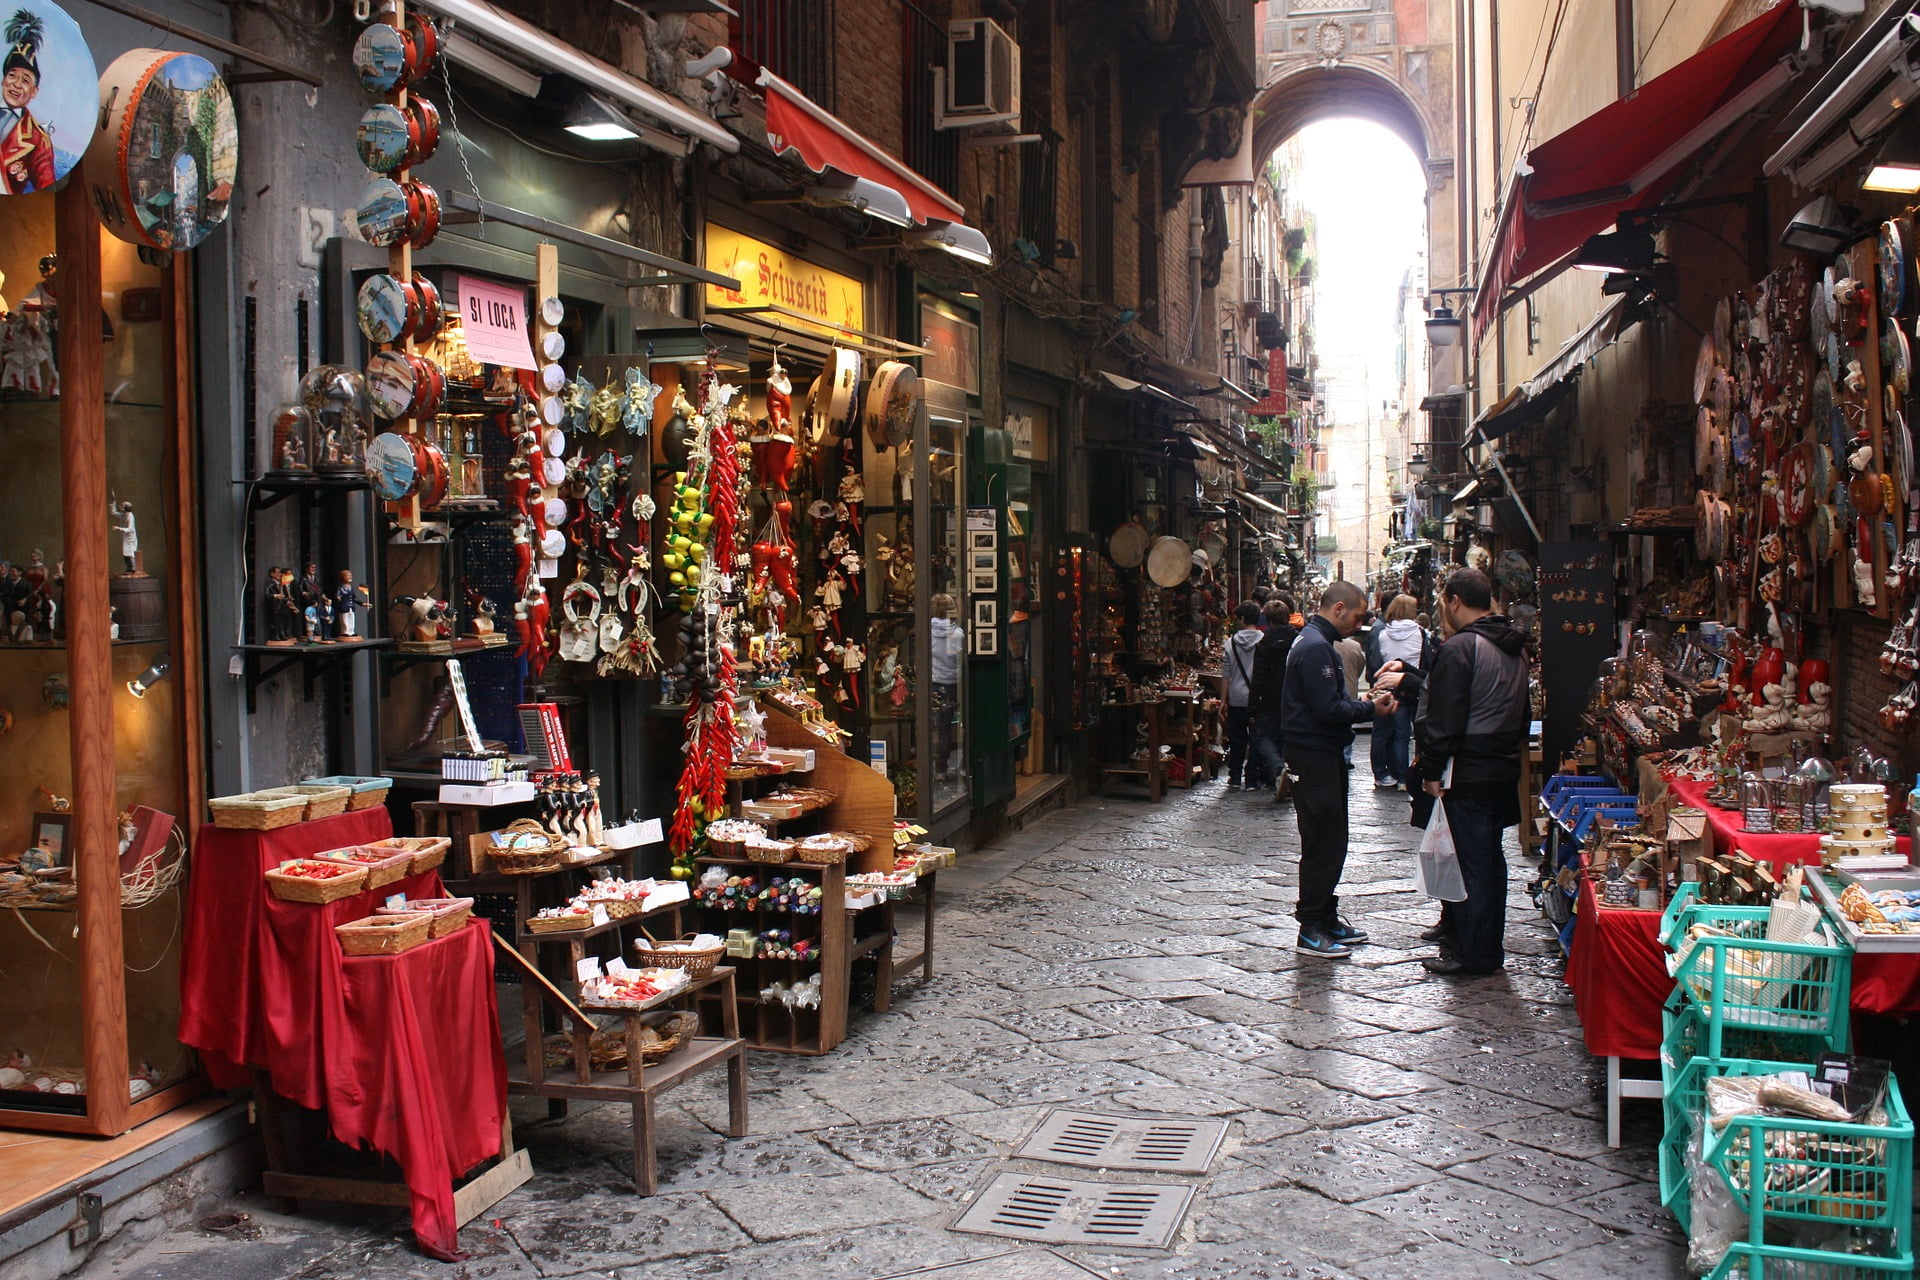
<point>57,72</point>
<point>893,398</point>
<point>430,470</point>
<point>162,168</point>
<point>392,466</point>
<point>1128,545</point>
<point>390,381</point>
<point>841,397</point>
<point>1703,366</point>
<point>1796,485</point>
<point>1896,273</point>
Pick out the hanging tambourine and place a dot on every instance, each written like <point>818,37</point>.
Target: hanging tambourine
<point>392,466</point>
<point>48,60</point>
<point>893,399</point>
<point>841,398</point>
<point>162,168</point>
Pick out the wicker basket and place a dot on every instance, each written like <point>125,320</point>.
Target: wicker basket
<point>322,802</point>
<point>617,908</point>
<point>558,924</point>
<point>536,849</point>
<point>857,842</point>
<point>384,935</point>
<point>450,915</point>
<point>302,889</point>
<point>823,855</point>
<point>661,1033</point>
<point>426,852</point>
<point>771,851</point>
<point>384,866</point>
<point>367,792</point>
<point>258,811</point>
<point>698,964</point>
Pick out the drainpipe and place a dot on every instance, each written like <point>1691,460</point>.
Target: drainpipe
<point>1196,229</point>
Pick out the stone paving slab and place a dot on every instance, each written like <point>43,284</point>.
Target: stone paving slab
<point>1122,957</point>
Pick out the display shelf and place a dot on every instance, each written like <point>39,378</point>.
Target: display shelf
<point>311,658</point>
<point>528,937</point>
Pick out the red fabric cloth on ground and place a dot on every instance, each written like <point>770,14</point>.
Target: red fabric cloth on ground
<point>1618,973</point>
<point>402,1052</point>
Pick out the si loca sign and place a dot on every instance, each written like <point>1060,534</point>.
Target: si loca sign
<point>771,278</point>
<point>494,319</point>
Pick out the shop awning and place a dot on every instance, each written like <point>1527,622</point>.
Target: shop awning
<point>1146,391</point>
<point>1536,397</point>
<point>798,124</point>
<point>1574,185</point>
<point>1259,503</point>
<point>520,41</point>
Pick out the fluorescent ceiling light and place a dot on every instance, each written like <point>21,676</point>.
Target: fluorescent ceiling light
<point>957,238</point>
<point>1900,178</point>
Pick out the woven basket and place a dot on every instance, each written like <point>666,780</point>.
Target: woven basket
<point>367,792</point>
<point>558,924</point>
<point>426,852</point>
<point>661,1033</point>
<point>301,889</point>
<point>322,802</point>
<point>450,915</point>
<point>537,849</point>
<point>384,935</point>
<point>698,964</point>
<point>857,842</point>
<point>258,811</point>
<point>830,856</point>
<point>617,908</point>
<point>381,872</point>
<point>773,851</point>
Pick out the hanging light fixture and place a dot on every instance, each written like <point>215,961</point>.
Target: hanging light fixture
<point>1822,228</point>
<point>1629,250</point>
<point>957,238</point>
<point>1443,326</point>
<point>152,676</point>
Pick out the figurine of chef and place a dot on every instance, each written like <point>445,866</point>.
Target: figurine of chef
<point>120,519</point>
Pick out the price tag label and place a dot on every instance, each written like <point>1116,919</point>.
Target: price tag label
<point>588,969</point>
<point>493,318</point>
<point>600,916</point>
<point>396,900</point>
<point>619,968</point>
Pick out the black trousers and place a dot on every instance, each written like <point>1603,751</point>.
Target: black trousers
<point>1320,804</point>
<point>1479,925</point>
<point>1265,746</point>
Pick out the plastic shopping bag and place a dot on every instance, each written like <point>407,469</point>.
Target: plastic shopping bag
<point>1436,868</point>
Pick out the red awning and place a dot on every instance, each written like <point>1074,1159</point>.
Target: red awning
<point>798,124</point>
<point>1621,157</point>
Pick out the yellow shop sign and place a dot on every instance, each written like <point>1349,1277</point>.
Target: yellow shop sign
<point>795,289</point>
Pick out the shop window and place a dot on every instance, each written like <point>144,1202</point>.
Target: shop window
<point>59,977</point>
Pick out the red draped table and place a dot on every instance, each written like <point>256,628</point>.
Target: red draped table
<point>401,1052</point>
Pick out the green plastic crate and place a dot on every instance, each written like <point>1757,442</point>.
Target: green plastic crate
<point>1739,980</point>
<point>1818,1171</point>
<point>1776,1262</point>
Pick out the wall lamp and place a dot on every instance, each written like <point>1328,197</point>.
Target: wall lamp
<point>862,195</point>
<point>1896,168</point>
<point>1443,326</point>
<point>152,676</point>
<point>957,238</point>
<point>1823,228</point>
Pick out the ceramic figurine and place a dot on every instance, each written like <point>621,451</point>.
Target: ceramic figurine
<point>278,606</point>
<point>120,520</point>
<point>347,599</point>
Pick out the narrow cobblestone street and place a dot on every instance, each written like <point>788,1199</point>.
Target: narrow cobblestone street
<point>1125,958</point>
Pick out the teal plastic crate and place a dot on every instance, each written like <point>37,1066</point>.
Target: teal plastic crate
<point>1686,899</point>
<point>1687,1033</point>
<point>1787,1167</point>
<point>1776,1262</point>
<point>1740,980</point>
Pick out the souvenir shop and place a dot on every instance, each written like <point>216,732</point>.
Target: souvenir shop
<point>556,626</point>
<point>1727,829</point>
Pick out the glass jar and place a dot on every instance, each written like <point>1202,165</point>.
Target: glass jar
<point>292,441</point>
<point>1817,772</point>
<point>1756,803</point>
<point>1788,796</point>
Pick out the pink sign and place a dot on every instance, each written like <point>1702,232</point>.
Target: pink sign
<point>494,317</point>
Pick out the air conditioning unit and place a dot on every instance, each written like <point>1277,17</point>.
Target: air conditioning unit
<point>980,85</point>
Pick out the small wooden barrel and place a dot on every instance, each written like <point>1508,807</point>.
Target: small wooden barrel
<point>139,607</point>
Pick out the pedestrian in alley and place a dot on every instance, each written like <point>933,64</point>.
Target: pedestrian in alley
<point>1239,663</point>
<point>1269,679</point>
<point>1353,665</point>
<point>1474,717</point>
<point>1400,640</point>
<point>1317,720</point>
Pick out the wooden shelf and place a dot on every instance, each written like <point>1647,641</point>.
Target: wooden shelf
<point>528,937</point>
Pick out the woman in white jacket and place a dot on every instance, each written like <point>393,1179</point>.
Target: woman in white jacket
<point>1403,639</point>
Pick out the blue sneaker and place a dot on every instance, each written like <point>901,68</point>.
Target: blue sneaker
<point>1345,933</point>
<point>1319,942</point>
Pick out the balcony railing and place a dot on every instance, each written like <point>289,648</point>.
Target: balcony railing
<point>792,38</point>
<point>932,153</point>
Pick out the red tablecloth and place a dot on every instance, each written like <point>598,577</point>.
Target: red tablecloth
<point>403,1052</point>
<point>1618,973</point>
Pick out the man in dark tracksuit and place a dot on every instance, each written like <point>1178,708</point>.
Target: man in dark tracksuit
<point>1317,720</point>
<point>1473,714</point>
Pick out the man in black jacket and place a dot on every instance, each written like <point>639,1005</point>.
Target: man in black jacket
<point>1269,672</point>
<point>1317,719</point>
<point>1474,714</point>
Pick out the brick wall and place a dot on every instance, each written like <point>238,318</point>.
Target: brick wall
<point>867,70</point>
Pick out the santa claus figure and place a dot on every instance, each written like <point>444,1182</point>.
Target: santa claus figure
<point>26,147</point>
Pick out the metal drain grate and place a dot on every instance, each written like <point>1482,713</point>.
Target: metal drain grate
<point>1061,1211</point>
<point>1022,1264</point>
<point>1094,1141</point>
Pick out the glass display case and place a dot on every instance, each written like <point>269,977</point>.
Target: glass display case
<point>99,692</point>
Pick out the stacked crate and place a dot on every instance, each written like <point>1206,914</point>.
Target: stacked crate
<point>1746,1006</point>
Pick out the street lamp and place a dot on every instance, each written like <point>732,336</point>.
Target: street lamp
<point>1417,466</point>
<point>1443,325</point>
